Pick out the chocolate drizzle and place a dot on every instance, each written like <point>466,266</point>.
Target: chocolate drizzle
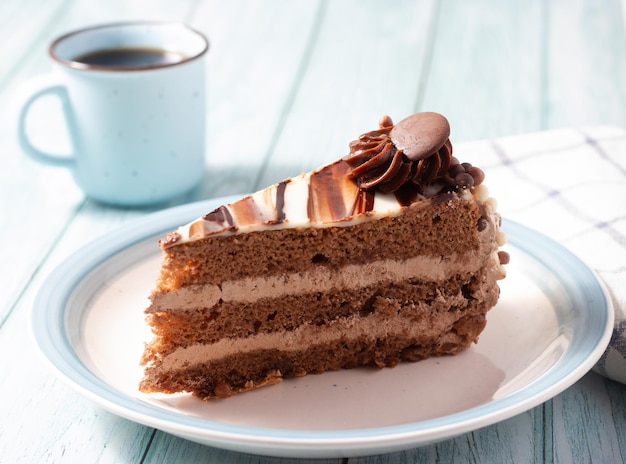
<point>218,219</point>
<point>280,201</point>
<point>331,193</point>
<point>364,202</point>
<point>220,215</point>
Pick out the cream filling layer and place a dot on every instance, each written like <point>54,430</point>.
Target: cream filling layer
<point>319,279</point>
<point>307,335</point>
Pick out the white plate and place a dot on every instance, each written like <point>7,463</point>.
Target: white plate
<point>552,323</point>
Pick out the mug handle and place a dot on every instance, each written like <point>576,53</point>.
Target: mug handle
<point>47,84</point>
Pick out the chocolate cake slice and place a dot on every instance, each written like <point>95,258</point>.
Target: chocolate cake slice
<point>387,255</point>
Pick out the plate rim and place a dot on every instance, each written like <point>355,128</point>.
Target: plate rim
<point>50,336</point>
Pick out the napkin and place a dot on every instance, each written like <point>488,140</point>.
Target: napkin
<point>570,185</point>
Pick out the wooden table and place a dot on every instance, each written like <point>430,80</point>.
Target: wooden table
<point>290,84</point>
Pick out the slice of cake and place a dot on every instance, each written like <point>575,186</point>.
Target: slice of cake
<point>388,255</point>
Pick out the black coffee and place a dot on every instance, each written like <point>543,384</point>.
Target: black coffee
<point>130,57</point>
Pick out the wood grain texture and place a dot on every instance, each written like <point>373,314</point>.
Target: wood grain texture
<point>290,84</point>
<point>487,59</point>
<point>367,63</point>
<point>253,68</point>
<point>574,411</point>
<point>585,63</point>
<point>168,449</point>
<point>41,207</point>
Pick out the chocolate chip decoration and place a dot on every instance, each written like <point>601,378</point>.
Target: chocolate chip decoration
<point>420,135</point>
<point>464,175</point>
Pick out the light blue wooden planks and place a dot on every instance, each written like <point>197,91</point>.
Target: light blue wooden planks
<point>485,73</point>
<point>585,63</point>
<point>290,85</point>
<point>256,58</point>
<point>367,62</point>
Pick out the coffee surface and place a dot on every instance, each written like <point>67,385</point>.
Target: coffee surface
<point>130,57</point>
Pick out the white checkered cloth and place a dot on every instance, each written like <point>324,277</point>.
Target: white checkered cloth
<point>570,185</point>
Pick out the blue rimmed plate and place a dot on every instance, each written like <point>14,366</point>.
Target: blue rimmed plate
<point>552,323</point>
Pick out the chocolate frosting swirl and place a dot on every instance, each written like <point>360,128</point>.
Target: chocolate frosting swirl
<point>414,152</point>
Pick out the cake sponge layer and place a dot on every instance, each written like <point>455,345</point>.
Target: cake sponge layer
<point>400,321</point>
<point>424,228</point>
<point>235,311</point>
